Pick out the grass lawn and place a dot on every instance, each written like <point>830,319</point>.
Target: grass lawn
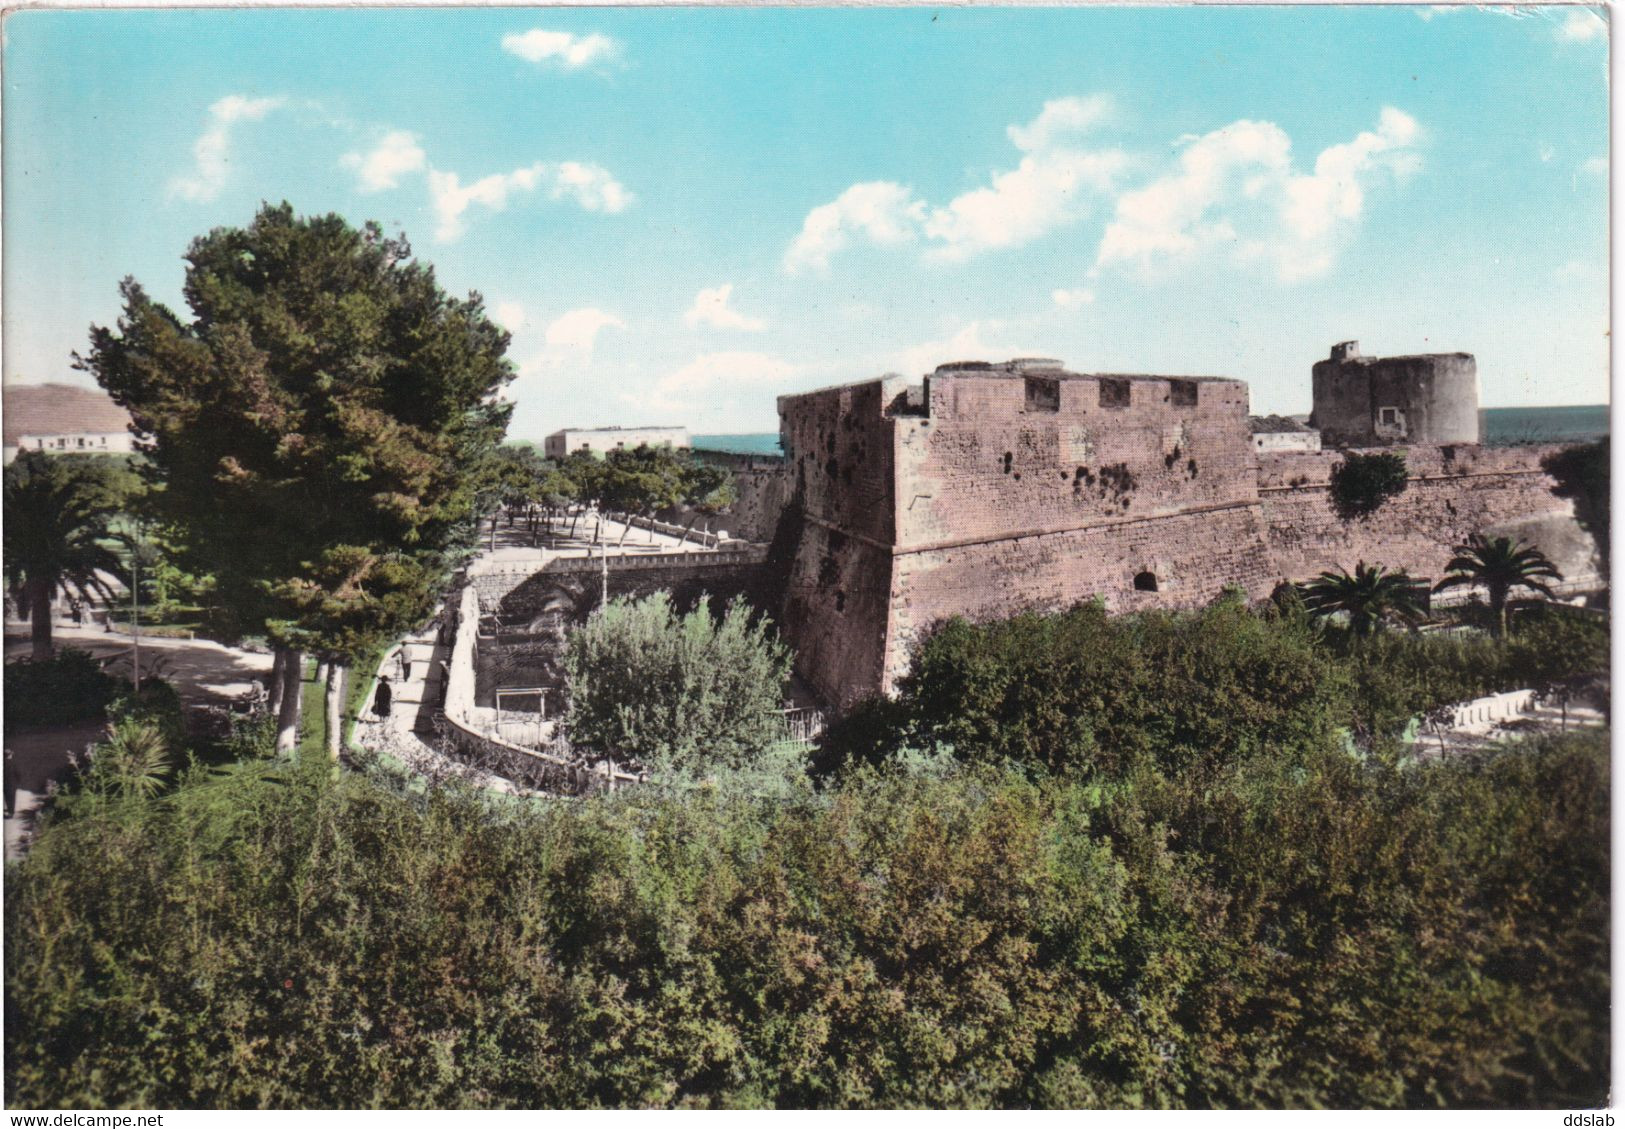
<point>313,720</point>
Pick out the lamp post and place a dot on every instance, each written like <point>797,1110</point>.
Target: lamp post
<point>135,612</point>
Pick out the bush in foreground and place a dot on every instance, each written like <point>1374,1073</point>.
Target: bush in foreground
<point>680,693</point>
<point>1281,934</point>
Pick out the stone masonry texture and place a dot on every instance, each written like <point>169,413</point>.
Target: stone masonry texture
<point>990,489</point>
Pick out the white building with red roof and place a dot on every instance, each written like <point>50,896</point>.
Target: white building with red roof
<point>63,419</point>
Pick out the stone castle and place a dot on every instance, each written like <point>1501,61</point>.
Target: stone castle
<point>984,489</point>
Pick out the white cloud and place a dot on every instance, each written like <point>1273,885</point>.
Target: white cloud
<point>1426,14</point>
<point>884,212</point>
<point>565,344</point>
<point>1582,26</point>
<point>577,331</point>
<point>569,51</point>
<point>970,343</point>
<point>1052,185</point>
<point>1236,187</point>
<point>1058,118</point>
<point>589,185</point>
<point>1072,299</point>
<point>212,150</point>
<point>1049,189</point>
<point>711,308</point>
<point>510,316</point>
<point>396,153</point>
<point>713,383</point>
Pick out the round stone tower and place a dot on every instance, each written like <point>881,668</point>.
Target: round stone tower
<point>1431,399</point>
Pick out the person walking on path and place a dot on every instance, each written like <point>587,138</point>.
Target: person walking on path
<point>10,784</point>
<point>406,664</point>
<point>381,700</point>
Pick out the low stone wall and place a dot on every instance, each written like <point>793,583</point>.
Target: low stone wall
<point>517,589</point>
<point>1494,708</point>
<point>671,529</point>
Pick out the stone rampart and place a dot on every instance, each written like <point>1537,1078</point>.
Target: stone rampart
<point>990,489</point>
<point>1452,492</point>
<point>764,485</point>
<point>983,464</point>
<point>1178,560</point>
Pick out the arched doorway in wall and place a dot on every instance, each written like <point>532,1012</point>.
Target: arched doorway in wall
<point>1145,581</point>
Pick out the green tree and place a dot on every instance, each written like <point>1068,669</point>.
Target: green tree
<point>708,490</point>
<point>58,515</point>
<point>588,474</point>
<point>317,426</point>
<point>1499,565</point>
<point>680,693</point>
<point>557,490</point>
<point>1370,597</point>
<point>1362,483</point>
<point>642,481</point>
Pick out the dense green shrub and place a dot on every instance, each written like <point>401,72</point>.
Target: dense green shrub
<point>68,688</point>
<point>1082,689</point>
<point>1395,677</point>
<point>1090,862</point>
<point>1362,483</point>
<point>679,693</point>
<point>1319,932</point>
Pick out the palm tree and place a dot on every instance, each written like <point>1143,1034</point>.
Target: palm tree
<point>1499,564</point>
<point>133,760</point>
<point>1370,596</point>
<point>57,510</point>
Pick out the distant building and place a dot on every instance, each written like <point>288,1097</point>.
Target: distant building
<point>63,419</point>
<point>1282,433</point>
<point>600,440</point>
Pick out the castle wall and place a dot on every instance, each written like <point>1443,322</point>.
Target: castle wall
<point>838,443</point>
<point>836,613</point>
<point>984,465</point>
<point>763,487</point>
<point>1193,556</point>
<point>1453,492</point>
<point>994,489</point>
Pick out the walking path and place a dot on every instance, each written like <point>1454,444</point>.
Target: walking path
<point>202,672</point>
<point>416,698</point>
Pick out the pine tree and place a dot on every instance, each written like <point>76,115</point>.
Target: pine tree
<point>317,424</point>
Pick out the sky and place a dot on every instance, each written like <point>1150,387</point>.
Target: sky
<point>683,213</point>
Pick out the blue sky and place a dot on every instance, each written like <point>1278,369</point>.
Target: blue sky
<point>682,213</point>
